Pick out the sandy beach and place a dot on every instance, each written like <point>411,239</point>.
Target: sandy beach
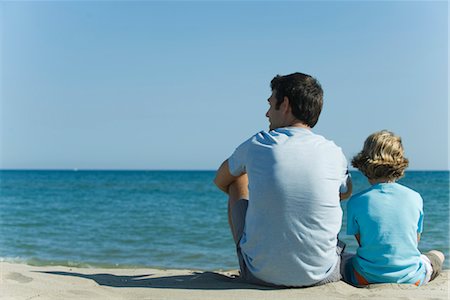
<point>19,281</point>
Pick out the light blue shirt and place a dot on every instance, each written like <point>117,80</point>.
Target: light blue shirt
<point>388,217</point>
<point>294,215</point>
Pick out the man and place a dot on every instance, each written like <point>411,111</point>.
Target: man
<point>284,188</point>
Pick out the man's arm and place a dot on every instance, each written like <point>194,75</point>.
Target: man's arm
<point>224,178</point>
<point>348,193</point>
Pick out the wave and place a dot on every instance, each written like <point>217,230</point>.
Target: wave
<point>37,262</point>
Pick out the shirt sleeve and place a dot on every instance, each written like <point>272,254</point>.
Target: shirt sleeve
<point>345,174</point>
<point>237,162</point>
<point>352,223</point>
<point>420,223</point>
<point>344,188</point>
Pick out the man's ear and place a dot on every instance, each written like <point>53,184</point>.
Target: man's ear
<point>285,105</point>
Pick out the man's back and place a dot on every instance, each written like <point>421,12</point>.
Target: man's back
<point>294,214</point>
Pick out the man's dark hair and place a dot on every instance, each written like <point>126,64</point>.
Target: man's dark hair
<point>304,93</point>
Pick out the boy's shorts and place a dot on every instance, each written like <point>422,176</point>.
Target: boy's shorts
<point>238,213</point>
<point>433,265</point>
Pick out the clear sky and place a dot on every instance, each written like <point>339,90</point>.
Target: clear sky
<point>179,85</point>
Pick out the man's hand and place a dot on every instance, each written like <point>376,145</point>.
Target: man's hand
<point>358,238</point>
<point>348,193</point>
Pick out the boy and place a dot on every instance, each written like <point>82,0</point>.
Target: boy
<point>387,220</point>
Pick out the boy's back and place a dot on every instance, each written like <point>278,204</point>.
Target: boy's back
<point>388,217</point>
<point>387,220</point>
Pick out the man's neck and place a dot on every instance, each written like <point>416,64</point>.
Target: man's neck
<point>298,124</point>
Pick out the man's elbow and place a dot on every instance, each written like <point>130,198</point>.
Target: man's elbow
<point>220,185</point>
<point>346,195</point>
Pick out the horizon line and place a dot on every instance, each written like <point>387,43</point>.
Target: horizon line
<point>169,170</point>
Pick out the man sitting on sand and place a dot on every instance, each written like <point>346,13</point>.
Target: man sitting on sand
<point>286,227</point>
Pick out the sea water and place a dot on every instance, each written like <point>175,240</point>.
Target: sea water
<point>160,219</point>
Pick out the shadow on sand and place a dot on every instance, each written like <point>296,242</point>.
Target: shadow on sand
<point>196,280</point>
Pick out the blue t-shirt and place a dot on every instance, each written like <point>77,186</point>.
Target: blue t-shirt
<point>388,217</point>
<point>294,214</point>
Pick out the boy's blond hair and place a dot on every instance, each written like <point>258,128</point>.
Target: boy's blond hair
<point>382,157</point>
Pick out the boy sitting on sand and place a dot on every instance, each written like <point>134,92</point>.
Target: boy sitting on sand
<point>387,220</point>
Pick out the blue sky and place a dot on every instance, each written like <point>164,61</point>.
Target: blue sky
<point>179,85</point>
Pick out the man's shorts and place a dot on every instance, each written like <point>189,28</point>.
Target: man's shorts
<point>238,213</point>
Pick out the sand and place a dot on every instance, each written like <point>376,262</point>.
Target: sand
<point>20,281</point>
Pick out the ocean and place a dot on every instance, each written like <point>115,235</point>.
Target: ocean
<point>158,219</point>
